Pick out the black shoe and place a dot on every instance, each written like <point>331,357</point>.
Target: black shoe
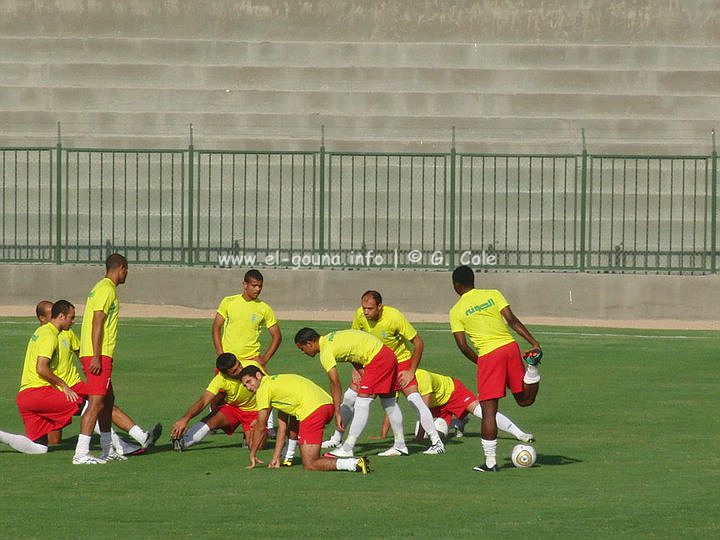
<point>485,468</point>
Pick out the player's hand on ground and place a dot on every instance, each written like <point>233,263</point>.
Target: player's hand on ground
<point>95,365</point>
<point>404,378</point>
<point>178,429</point>
<point>274,463</point>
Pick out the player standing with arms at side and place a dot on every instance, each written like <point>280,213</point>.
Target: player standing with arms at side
<point>484,315</point>
<point>97,346</point>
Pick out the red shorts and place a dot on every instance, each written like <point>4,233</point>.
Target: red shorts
<point>404,366</point>
<point>45,409</point>
<point>500,369</point>
<point>311,429</point>
<point>236,416</point>
<point>380,375</point>
<point>456,405</point>
<point>98,385</point>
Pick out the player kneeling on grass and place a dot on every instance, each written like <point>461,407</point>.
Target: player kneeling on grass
<point>296,396</point>
<point>239,408</point>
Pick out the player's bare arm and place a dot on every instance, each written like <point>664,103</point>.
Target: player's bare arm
<point>275,340</point>
<point>257,440</point>
<point>98,323</point>
<point>404,377</point>
<point>180,427</point>
<point>43,369</point>
<point>217,325</point>
<point>282,429</point>
<point>336,393</point>
<point>515,323</point>
<point>461,342</point>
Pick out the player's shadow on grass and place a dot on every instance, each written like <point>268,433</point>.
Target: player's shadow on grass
<point>551,460</point>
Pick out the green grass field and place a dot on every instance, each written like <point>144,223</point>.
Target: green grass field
<point>626,422</point>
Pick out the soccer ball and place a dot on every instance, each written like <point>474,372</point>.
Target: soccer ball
<point>523,455</point>
<point>441,426</point>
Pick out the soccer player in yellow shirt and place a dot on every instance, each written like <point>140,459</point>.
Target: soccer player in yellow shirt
<point>298,397</point>
<point>484,315</point>
<point>448,397</point>
<point>46,401</point>
<point>379,377</point>
<point>97,347</point>
<point>69,344</point>
<point>239,407</point>
<point>394,330</point>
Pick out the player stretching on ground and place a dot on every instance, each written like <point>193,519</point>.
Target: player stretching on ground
<point>391,327</point>
<point>379,377</point>
<point>448,397</point>
<point>46,401</point>
<point>301,398</point>
<point>239,407</point>
<point>484,315</point>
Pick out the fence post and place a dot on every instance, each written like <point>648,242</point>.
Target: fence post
<point>191,175</point>
<point>713,205</point>
<point>321,217</point>
<point>583,202</point>
<point>452,200</point>
<point>58,198</point>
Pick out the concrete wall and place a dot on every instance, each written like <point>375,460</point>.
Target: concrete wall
<point>609,297</point>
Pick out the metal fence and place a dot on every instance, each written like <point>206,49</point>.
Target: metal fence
<point>573,212</point>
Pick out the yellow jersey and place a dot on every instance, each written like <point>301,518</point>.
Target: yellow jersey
<point>392,328</point>
<point>243,322</point>
<point>477,313</point>
<point>43,342</point>
<point>439,387</point>
<point>103,297</point>
<point>291,394</point>
<point>354,346</point>
<point>68,343</point>
<point>235,393</point>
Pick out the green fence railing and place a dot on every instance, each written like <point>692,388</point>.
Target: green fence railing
<point>570,212</point>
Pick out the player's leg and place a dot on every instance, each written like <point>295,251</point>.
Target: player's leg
<point>310,433</point>
<point>359,421</point>
<point>488,434</point>
<point>291,446</point>
<point>20,443</point>
<point>54,437</point>
<point>394,414</point>
<point>146,439</point>
<point>503,423</point>
<point>425,417</point>
<point>105,426</point>
<point>491,377</point>
<point>346,412</point>
<point>97,386</point>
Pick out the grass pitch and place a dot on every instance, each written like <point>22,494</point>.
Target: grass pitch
<point>626,424</point>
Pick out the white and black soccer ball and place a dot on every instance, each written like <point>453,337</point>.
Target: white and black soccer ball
<point>523,456</point>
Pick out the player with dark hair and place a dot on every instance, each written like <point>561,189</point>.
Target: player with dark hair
<point>391,327</point>
<point>484,315</point>
<point>97,347</point>
<point>239,406</point>
<point>69,344</point>
<point>46,401</point>
<point>379,377</point>
<point>298,397</point>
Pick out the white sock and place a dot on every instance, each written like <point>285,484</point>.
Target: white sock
<point>346,464</point>
<point>489,449</point>
<point>424,415</point>
<point>290,450</point>
<point>271,419</point>
<point>503,423</point>
<point>394,414</point>
<point>196,433</point>
<point>82,448</point>
<point>359,421</point>
<point>105,442</point>
<point>532,375</point>
<point>22,444</point>
<point>138,433</point>
<point>347,408</point>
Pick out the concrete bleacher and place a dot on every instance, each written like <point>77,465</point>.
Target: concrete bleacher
<point>523,77</point>
<point>267,75</point>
